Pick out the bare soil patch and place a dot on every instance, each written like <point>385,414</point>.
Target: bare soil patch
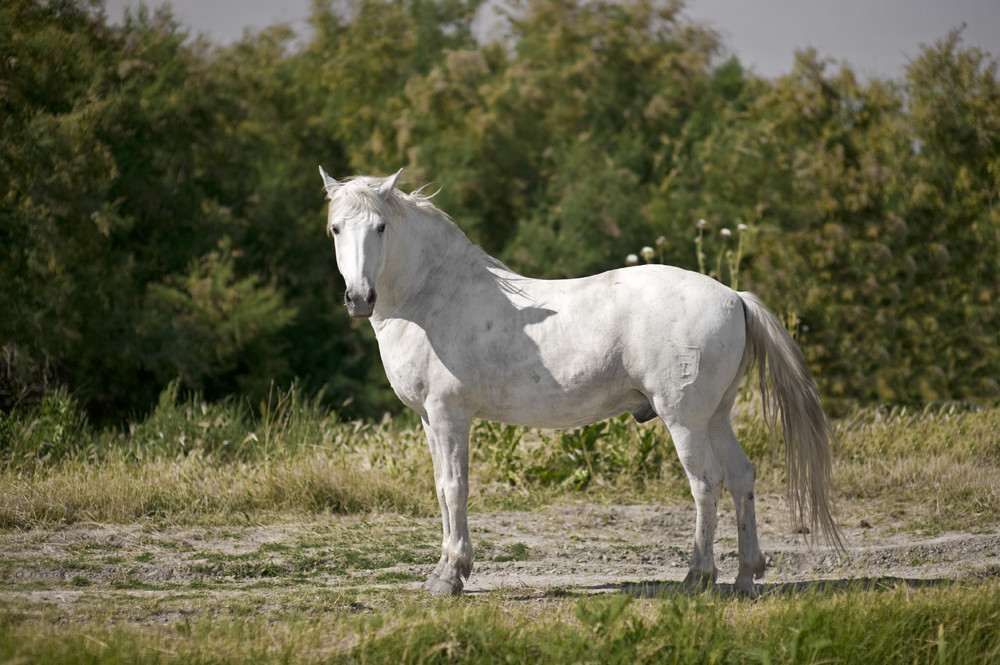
<point>571,547</point>
<point>588,547</point>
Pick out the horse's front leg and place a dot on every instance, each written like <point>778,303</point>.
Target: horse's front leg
<point>448,438</point>
<point>438,487</point>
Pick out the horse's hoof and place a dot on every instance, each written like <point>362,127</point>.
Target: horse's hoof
<point>700,580</point>
<point>436,586</point>
<point>746,588</point>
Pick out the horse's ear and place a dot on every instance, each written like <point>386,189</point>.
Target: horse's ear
<point>329,184</point>
<point>388,185</point>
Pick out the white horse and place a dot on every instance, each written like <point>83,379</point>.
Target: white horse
<point>462,336</point>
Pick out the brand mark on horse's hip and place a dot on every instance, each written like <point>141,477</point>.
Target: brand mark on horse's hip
<point>686,366</point>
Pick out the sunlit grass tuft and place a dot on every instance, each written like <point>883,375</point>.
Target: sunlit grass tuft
<point>933,470</point>
<point>193,489</point>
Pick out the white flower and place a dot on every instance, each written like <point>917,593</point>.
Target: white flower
<point>661,241</point>
<point>725,233</point>
<point>631,260</point>
<point>741,228</point>
<point>647,254</point>
<point>702,223</point>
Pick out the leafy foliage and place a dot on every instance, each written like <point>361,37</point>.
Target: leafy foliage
<point>615,452</point>
<point>163,221</point>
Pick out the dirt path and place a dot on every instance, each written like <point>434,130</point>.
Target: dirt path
<point>584,547</point>
<point>574,547</point>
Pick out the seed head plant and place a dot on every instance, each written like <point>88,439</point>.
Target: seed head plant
<point>725,253</point>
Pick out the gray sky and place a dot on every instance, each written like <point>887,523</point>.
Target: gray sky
<point>877,37</point>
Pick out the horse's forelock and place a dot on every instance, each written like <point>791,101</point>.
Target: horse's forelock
<point>361,193</point>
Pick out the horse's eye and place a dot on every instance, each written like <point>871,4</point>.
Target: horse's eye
<point>335,230</point>
<point>381,228</point>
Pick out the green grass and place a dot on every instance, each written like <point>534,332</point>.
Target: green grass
<point>892,624</point>
<point>514,552</point>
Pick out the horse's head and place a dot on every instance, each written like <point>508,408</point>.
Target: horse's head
<point>358,216</point>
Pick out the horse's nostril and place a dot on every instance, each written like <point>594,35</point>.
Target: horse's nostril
<point>356,300</point>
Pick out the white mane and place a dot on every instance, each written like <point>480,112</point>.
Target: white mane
<point>362,193</point>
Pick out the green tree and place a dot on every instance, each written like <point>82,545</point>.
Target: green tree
<point>841,182</point>
<point>117,177</point>
<point>544,143</point>
<point>951,196</point>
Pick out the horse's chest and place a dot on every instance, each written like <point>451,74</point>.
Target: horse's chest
<point>423,362</point>
<point>407,378</point>
<point>408,363</point>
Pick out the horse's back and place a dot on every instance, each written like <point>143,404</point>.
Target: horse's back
<point>644,308</point>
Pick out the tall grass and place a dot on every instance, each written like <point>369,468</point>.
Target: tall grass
<point>192,461</point>
<point>933,469</point>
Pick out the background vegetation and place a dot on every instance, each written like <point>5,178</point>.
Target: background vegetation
<point>162,217</point>
<point>289,459</point>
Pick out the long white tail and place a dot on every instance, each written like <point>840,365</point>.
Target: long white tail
<point>787,388</point>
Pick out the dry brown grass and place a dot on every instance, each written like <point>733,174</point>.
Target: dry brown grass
<point>930,470</point>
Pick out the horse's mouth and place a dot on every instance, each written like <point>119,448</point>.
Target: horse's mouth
<point>359,313</point>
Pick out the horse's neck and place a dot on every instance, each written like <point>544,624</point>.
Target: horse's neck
<point>429,255</point>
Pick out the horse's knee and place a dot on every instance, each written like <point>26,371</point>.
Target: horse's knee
<point>741,479</point>
<point>706,487</point>
<point>456,491</point>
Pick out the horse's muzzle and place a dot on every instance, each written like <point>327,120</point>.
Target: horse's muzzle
<point>360,307</point>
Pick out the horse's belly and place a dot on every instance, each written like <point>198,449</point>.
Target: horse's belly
<point>551,406</point>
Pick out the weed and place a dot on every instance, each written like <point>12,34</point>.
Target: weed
<point>397,577</point>
<point>514,552</point>
<point>135,584</point>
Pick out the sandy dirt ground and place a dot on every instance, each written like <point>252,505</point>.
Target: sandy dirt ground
<point>574,547</point>
<point>602,548</point>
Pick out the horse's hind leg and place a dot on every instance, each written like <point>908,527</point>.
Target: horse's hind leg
<point>739,477</point>
<point>705,477</point>
<point>448,438</point>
